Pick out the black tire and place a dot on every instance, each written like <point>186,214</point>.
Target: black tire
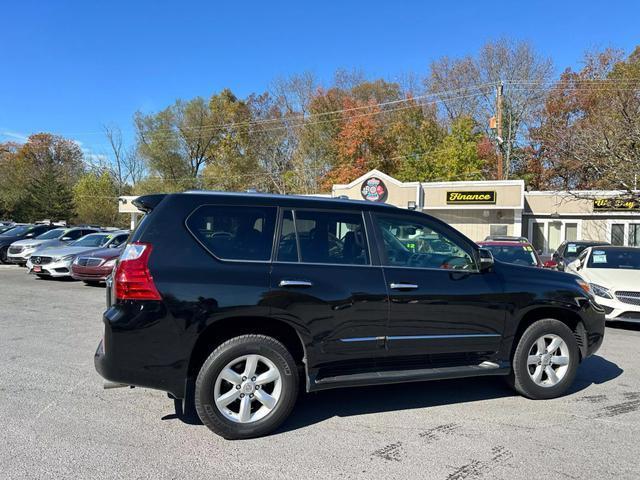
<point>520,378</point>
<point>3,254</point>
<point>234,348</point>
<point>92,283</point>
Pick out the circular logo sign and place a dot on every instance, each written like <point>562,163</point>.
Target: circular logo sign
<point>374,190</point>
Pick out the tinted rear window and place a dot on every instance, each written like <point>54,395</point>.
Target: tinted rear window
<point>323,237</point>
<point>234,232</point>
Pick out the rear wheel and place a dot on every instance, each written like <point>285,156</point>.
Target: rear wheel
<point>247,387</point>
<point>545,361</point>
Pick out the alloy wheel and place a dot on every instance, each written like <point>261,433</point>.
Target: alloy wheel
<point>548,360</point>
<point>248,388</point>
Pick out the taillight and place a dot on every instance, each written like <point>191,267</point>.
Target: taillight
<point>132,278</point>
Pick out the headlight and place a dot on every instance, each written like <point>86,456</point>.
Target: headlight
<point>110,263</point>
<point>601,291</point>
<point>66,258</point>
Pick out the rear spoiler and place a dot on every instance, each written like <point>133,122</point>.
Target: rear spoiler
<point>146,203</point>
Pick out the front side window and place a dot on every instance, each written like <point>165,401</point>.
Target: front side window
<point>118,240</point>
<point>234,232</point>
<point>75,234</point>
<point>323,237</point>
<point>411,243</point>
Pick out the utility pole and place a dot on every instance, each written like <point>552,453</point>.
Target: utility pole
<point>499,139</point>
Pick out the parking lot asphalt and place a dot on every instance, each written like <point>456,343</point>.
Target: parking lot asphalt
<point>58,422</point>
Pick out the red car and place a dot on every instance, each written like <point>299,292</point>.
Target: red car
<point>95,266</point>
<point>519,253</point>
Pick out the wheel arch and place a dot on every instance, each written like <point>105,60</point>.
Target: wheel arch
<point>226,328</point>
<point>564,315</point>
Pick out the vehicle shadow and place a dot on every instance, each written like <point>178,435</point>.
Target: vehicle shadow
<point>346,402</point>
<point>320,406</point>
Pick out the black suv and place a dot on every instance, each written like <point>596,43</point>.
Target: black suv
<point>228,301</point>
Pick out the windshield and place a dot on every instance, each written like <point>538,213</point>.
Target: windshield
<point>94,240</point>
<point>55,233</point>
<point>623,259</point>
<point>517,254</point>
<point>19,230</point>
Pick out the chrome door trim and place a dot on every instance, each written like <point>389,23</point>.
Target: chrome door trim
<point>295,283</point>
<point>438,337</point>
<point>403,286</point>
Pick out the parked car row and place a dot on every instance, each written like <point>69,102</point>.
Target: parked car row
<point>85,253</point>
<point>612,272</point>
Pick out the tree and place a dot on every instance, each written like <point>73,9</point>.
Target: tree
<point>181,140</point>
<point>48,197</point>
<point>52,165</point>
<point>14,178</point>
<point>96,199</point>
<point>126,167</point>
<point>589,132</point>
<point>466,87</point>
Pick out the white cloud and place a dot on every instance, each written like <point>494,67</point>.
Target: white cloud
<point>20,137</point>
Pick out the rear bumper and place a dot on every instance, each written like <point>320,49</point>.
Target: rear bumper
<point>159,361</point>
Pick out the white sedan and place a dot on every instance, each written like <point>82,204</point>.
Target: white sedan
<point>614,276</point>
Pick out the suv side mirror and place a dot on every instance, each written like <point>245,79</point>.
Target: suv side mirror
<point>486,259</point>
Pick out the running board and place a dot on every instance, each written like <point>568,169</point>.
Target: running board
<point>420,375</point>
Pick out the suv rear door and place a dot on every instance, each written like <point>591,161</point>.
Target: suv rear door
<point>439,302</point>
<point>323,279</point>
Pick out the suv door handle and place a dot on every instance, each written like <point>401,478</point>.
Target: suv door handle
<point>403,286</point>
<point>295,283</point>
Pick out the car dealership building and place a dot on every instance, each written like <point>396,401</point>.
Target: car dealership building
<point>504,207</point>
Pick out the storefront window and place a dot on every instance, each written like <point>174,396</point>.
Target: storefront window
<point>617,234</point>
<point>497,230</point>
<point>538,236</point>
<point>571,232</point>
<point>555,233</point>
<point>634,234</point>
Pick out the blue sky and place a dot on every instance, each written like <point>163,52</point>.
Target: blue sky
<point>71,67</point>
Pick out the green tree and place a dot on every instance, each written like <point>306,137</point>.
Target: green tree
<point>38,176</point>
<point>96,199</point>
<point>48,197</point>
<point>183,140</point>
<point>458,157</point>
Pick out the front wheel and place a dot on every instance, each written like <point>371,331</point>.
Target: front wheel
<point>247,387</point>
<point>545,361</point>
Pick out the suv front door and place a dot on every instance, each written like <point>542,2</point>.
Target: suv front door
<point>440,303</point>
<point>324,280</point>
